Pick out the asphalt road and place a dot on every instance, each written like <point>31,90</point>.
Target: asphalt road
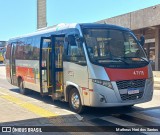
<point>34,110</point>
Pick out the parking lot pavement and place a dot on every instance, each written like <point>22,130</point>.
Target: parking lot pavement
<point>22,110</point>
<point>32,109</point>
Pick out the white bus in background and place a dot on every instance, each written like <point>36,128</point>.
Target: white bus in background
<point>96,65</point>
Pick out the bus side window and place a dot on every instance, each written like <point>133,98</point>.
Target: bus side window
<point>36,49</point>
<point>28,48</point>
<point>75,52</point>
<point>20,49</point>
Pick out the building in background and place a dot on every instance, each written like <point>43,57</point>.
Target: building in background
<point>41,14</point>
<point>147,22</point>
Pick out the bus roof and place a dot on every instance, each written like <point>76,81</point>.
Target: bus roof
<point>96,25</point>
<point>63,26</point>
<point>58,27</point>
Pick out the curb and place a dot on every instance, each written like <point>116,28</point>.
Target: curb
<point>156,88</point>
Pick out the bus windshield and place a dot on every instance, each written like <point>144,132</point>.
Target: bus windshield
<point>106,46</point>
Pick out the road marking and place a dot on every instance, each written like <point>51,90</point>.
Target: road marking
<point>125,123</point>
<point>119,121</point>
<point>145,117</point>
<point>30,106</point>
<point>33,108</point>
<point>1,93</point>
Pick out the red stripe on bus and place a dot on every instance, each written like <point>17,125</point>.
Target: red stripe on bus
<point>91,90</point>
<point>127,74</point>
<point>26,73</point>
<point>83,88</point>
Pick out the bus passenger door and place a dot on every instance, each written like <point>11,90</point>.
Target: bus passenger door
<point>57,66</point>
<point>45,66</point>
<point>51,66</point>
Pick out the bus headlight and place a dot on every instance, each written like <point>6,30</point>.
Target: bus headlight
<point>104,83</point>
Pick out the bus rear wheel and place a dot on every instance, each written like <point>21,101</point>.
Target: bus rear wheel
<point>75,101</point>
<point>21,88</point>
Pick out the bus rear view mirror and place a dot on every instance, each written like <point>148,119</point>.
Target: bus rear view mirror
<point>80,39</point>
<point>142,40</point>
<point>71,40</point>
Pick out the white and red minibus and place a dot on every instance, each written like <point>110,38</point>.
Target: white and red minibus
<point>96,65</point>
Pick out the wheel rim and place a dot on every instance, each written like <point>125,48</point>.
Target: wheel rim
<point>75,101</point>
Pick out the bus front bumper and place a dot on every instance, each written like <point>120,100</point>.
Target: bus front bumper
<point>105,97</point>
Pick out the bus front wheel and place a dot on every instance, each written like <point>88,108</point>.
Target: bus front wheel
<point>21,87</point>
<point>75,101</point>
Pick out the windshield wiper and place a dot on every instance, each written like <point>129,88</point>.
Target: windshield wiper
<point>114,59</point>
<point>139,58</point>
<point>143,59</point>
<point>120,59</point>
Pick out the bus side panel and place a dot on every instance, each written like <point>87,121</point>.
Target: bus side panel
<point>78,75</point>
<point>28,70</point>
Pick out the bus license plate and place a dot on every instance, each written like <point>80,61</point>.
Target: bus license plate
<point>133,91</point>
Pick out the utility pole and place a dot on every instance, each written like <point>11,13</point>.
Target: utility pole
<point>41,14</point>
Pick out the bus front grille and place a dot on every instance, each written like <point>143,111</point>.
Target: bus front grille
<point>130,84</point>
<point>124,86</point>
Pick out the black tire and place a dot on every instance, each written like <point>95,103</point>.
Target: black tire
<point>73,98</point>
<point>22,90</point>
